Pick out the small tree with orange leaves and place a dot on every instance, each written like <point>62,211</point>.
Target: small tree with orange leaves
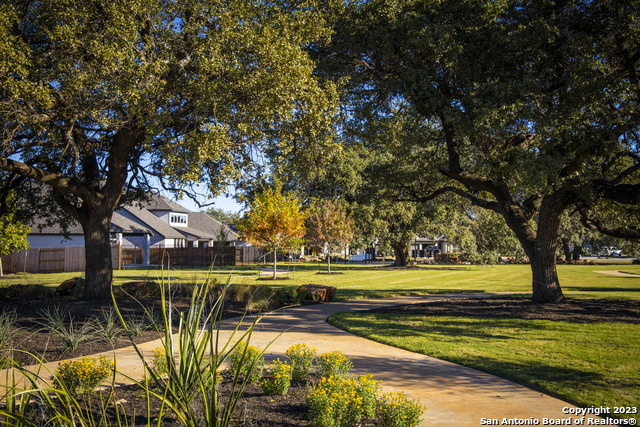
<point>274,222</point>
<point>330,224</point>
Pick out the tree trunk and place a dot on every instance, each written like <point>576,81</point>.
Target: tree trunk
<point>545,283</point>
<point>275,260</point>
<point>329,262</point>
<point>401,254</point>
<point>540,246</point>
<point>1,274</point>
<point>97,248</point>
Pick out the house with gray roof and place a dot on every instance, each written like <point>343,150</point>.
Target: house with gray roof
<point>155,223</point>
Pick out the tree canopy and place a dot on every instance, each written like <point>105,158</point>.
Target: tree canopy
<point>329,223</point>
<point>103,100</point>
<point>274,222</point>
<point>528,110</point>
<point>13,233</point>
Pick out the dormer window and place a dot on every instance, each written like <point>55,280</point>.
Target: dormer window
<point>178,219</point>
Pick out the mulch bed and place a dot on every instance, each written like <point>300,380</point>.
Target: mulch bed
<point>34,338</point>
<point>257,409</point>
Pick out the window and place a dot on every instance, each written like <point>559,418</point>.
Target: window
<point>178,219</point>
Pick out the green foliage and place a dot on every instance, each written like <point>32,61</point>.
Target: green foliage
<point>13,233</point>
<point>337,401</point>
<point>225,217</point>
<point>279,379</point>
<point>520,109</point>
<point>59,322</point>
<point>301,357</point>
<point>334,364</point>
<point>159,363</point>
<point>182,92</point>
<point>248,362</point>
<point>107,325</point>
<point>396,410</point>
<point>532,352</point>
<point>136,325</point>
<point>329,223</point>
<point>82,376</point>
<point>8,327</point>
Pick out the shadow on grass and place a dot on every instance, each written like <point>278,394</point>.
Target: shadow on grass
<point>599,289</point>
<point>350,294</point>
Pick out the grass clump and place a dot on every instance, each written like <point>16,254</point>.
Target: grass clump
<point>59,323</point>
<point>107,326</point>
<point>8,329</point>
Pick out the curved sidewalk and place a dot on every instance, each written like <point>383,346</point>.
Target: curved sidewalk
<point>454,395</point>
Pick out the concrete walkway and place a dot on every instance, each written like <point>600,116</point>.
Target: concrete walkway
<point>454,395</point>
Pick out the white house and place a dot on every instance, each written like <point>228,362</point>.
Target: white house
<point>156,223</point>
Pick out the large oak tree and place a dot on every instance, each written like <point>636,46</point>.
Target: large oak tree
<point>103,99</point>
<point>534,108</point>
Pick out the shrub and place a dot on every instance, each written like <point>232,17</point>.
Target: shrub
<point>159,363</point>
<point>280,378</point>
<point>82,376</point>
<point>8,329</point>
<point>396,410</point>
<point>136,325</point>
<point>334,364</point>
<point>368,389</point>
<point>341,402</point>
<point>302,357</point>
<point>248,362</point>
<point>107,326</point>
<point>60,323</point>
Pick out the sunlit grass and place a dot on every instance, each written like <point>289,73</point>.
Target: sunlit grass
<point>584,363</point>
<point>358,281</point>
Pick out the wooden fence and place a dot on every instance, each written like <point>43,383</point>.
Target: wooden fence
<point>58,260</point>
<point>50,260</point>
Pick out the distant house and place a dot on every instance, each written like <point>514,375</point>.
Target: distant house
<point>156,223</point>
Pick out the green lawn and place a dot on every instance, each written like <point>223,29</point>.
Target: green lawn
<point>359,282</point>
<point>583,363</point>
<point>588,364</point>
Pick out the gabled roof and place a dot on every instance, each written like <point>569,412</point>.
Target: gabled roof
<point>158,202</point>
<point>149,220</point>
<point>203,222</point>
<point>119,224</point>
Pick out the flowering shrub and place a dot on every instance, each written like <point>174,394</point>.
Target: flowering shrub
<point>337,401</point>
<point>334,364</point>
<point>159,363</point>
<point>83,375</point>
<point>301,356</point>
<point>397,410</point>
<point>368,389</point>
<point>247,360</point>
<point>280,379</point>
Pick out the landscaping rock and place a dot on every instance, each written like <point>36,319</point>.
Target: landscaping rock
<point>68,287</point>
<point>320,293</point>
<point>26,292</point>
<point>138,289</point>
